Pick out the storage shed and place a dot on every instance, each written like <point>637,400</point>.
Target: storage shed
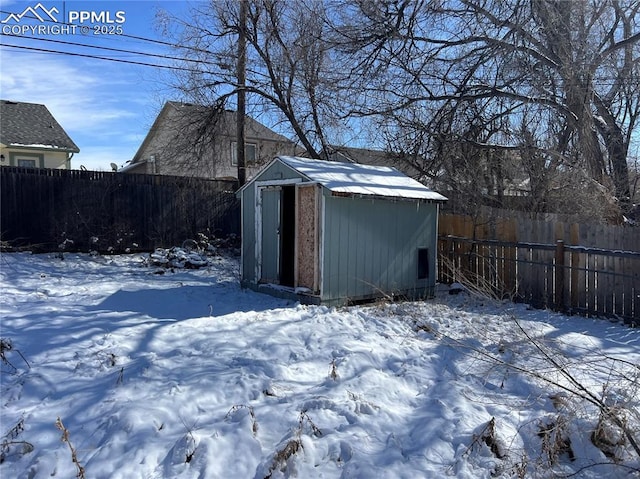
<point>337,233</point>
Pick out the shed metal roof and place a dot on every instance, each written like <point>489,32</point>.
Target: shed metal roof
<point>357,179</point>
<point>32,125</point>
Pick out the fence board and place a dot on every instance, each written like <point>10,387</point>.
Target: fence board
<point>507,231</point>
<point>538,287</point>
<point>109,211</point>
<point>628,290</point>
<point>600,267</point>
<point>591,263</point>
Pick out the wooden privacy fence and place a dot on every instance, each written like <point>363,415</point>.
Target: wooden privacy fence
<point>107,211</point>
<point>544,264</point>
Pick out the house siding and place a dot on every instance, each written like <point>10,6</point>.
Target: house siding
<point>169,141</point>
<point>43,158</point>
<point>215,164</point>
<point>371,247</point>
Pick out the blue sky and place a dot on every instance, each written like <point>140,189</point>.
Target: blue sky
<point>106,107</point>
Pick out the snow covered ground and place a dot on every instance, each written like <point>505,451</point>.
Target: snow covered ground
<point>185,375</point>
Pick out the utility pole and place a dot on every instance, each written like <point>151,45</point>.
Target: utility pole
<point>241,107</point>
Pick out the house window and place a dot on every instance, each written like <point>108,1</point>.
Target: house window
<point>423,263</point>
<point>26,163</point>
<point>250,153</point>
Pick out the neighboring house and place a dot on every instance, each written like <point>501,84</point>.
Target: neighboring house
<point>497,181</point>
<point>31,137</point>
<point>332,232</point>
<point>194,140</point>
<point>365,156</point>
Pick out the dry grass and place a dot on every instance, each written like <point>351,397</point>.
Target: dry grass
<point>333,371</point>
<point>6,346</point>
<point>292,446</point>
<point>254,422</point>
<point>555,439</point>
<point>9,442</point>
<point>477,284</point>
<point>74,452</point>
<point>282,456</point>
<point>608,436</point>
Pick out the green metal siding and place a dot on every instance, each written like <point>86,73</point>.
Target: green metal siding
<point>271,199</point>
<point>371,247</point>
<point>278,171</point>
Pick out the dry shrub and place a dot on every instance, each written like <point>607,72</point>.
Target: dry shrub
<point>282,456</point>
<point>6,346</point>
<point>9,443</point>
<point>490,439</point>
<point>555,439</point>
<point>489,286</point>
<point>608,436</point>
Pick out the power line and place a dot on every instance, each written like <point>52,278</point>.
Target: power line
<point>119,50</point>
<point>598,82</point>
<point>124,35</point>
<point>86,55</point>
<point>602,81</point>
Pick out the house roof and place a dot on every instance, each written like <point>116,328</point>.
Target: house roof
<point>357,179</point>
<point>366,156</point>
<point>32,125</point>
<point>179,116</point>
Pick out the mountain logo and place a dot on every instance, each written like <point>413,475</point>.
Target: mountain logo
<point>39,12</point>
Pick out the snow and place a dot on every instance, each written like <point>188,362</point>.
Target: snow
<point>38,145</point>
<point>359,179</point>
<point>161,372</point>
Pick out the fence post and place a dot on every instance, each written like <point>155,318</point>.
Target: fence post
<point>448,253</point>
<point>558,297</point>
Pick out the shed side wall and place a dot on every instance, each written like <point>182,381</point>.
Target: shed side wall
<point>371,247</point>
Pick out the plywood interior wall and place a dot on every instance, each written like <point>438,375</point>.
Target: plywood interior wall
<point>307,237</point>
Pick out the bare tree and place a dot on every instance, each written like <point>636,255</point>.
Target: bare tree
<point>484,94</point>
<point>289,68</point>
<point>569,66</point>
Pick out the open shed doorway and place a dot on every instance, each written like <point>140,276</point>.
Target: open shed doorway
<point>278,235</point>
<point>288,235</point>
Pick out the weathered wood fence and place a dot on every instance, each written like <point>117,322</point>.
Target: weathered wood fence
<point>105,211</point>
<point>575,268</point>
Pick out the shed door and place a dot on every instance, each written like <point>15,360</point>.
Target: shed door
<point>271,198</point>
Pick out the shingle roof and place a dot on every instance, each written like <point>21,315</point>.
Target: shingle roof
<point>254,128</point>
<point>353,178</point>
<point>31,124</point>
